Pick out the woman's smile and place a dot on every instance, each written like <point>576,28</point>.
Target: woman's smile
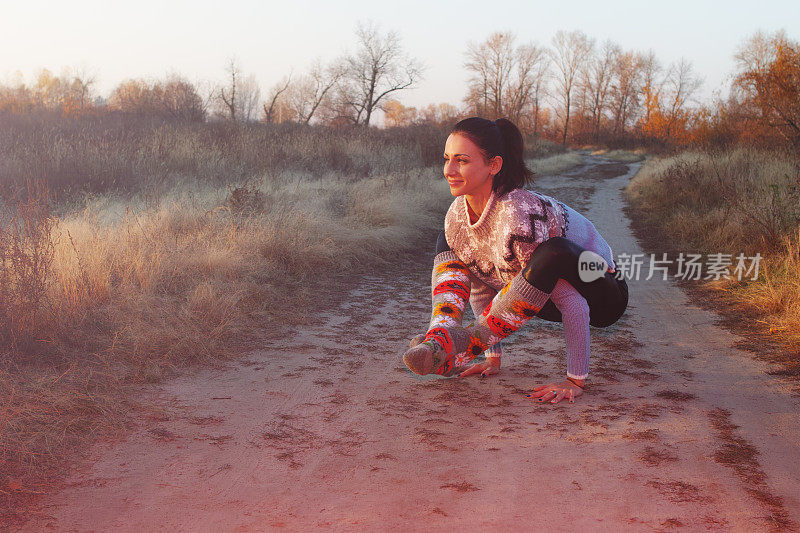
<point>466,169</point>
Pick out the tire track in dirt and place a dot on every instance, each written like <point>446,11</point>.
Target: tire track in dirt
<point>325,428</point>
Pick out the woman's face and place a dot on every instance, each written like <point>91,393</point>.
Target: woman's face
<point>465,168</point>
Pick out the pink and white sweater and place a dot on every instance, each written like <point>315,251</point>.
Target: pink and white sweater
<point>498,246</point>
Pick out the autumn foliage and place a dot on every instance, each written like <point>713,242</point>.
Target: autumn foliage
<point>769,81</point>
<point>574,92</point>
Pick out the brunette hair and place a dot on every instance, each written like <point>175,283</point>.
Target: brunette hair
<point>499,137</point>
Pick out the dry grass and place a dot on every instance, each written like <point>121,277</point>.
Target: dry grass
<point>738,201</point>
<point>777,294</point>
<point>135,288</point>
<point>715,201</point>
<point>113,152</point>
<point>555,164</point>
<point>623,156</point>
<point>173,245</point>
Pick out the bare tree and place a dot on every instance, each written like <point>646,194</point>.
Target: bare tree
<point>570,52</point>
<point>522,99</point>
<point>507,80</point>
<point>248,98</point>
<point>274,96</point>
<point>376,70</point>
<point>598,78</point>
<point>625,89</point>
<point>82,83</point>
<point>540,75</point>
<point>238,99</point>
<point>208,91</point>
<point>681,85</point>
<point>228,94</point>
<point>491,63</point>
<point>308,93</point>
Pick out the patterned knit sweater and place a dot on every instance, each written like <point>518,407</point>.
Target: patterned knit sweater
<point>498,246</point>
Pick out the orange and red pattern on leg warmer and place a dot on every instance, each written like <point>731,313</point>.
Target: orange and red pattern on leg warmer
<point>512,307</point>
<point>450,287</point>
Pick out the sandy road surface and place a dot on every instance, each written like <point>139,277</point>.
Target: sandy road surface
<point>326,429</point>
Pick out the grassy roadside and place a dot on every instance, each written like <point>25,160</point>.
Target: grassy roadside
<point>173,245</point>
<point>136,289</point>
<point>623,156</point>
<point>555,164</point>
<point>735,201</point>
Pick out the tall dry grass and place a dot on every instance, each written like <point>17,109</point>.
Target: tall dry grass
<point>715,201</point>
<point>137,288</point>
<point>154,245</point>
<point>735,201</point>
<point>113,286</point>
<point>113,152</point>
<point>555,164</point>
<point>623,156</point>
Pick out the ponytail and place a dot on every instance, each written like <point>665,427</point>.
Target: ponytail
<point>513,174</point>
<point>500,137</point>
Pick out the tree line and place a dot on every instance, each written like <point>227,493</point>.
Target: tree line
<point>574,91</point>
<point>578,91</point>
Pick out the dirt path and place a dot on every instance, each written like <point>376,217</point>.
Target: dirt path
<point>326,429</point>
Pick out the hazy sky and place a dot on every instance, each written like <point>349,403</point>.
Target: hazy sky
<point>118,40</point>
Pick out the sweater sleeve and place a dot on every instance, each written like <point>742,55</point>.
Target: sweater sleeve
<point>480,297</point>
<point>575,313</point>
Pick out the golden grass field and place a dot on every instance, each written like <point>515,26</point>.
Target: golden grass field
<point>734,201</point>
<point>153,246</point>
<point>133,249</point>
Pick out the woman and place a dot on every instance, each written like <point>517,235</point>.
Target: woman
<point>528,246</point>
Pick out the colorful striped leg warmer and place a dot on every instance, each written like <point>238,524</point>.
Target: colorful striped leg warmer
<point>450,287</point>
<point>513,306</point>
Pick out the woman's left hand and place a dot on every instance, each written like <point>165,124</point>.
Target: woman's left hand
<point>555,392</point>
<point>486,368</point>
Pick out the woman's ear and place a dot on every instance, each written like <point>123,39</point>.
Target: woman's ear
<point>495,164</point>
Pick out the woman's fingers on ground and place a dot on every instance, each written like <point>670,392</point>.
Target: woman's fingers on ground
<point>542,389</point>
<point>490,371</point>
<point>474,369</point>
<point>542,395</point>
<point>553,394</point>
<point>559,396</point>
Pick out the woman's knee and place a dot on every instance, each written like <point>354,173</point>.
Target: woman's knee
<point>441,244</point>
<point>555,258</point>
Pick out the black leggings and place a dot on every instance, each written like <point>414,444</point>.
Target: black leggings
<point>557,258</point>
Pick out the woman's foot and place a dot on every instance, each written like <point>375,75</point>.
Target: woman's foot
<point>435,353</point>
<point>416,339</point>
<point>420,359</point>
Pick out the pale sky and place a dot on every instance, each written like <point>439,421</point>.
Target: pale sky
<point>118,40</point>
